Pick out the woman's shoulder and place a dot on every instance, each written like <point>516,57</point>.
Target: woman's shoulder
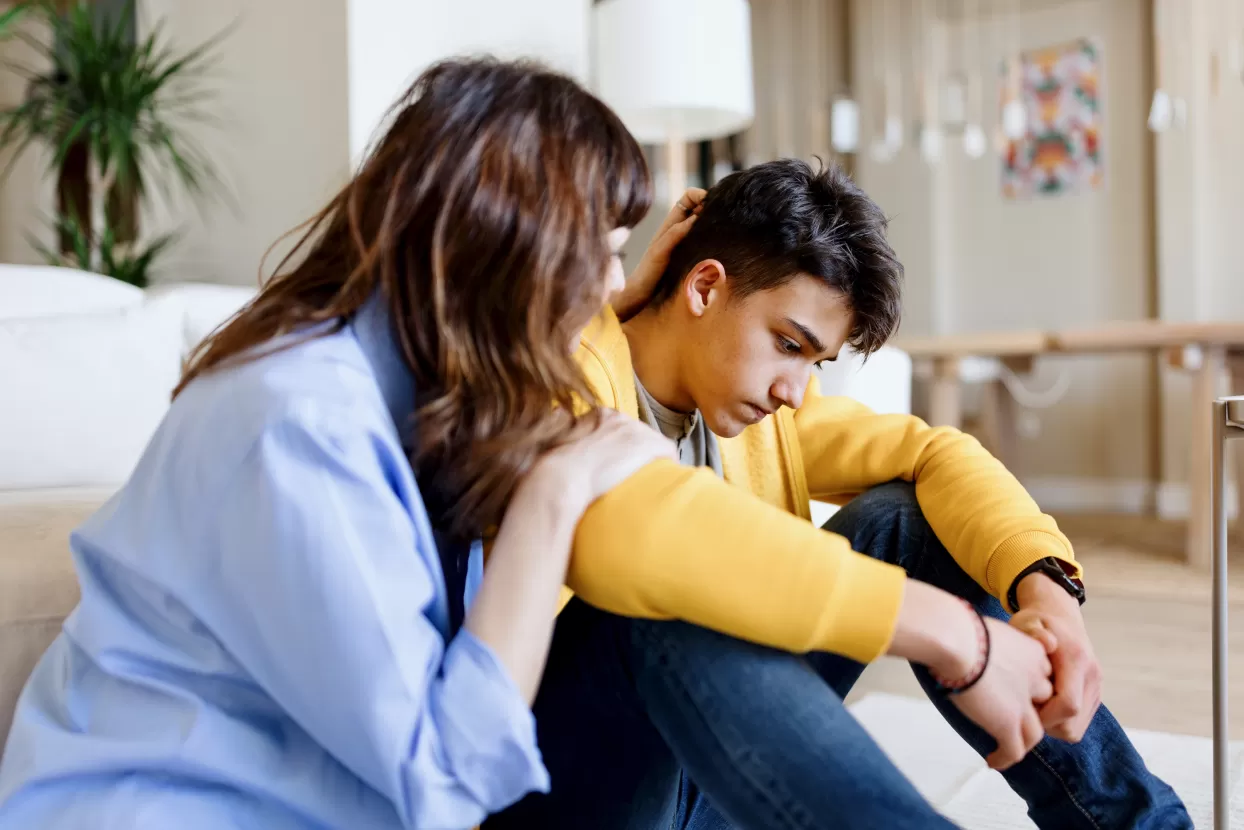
<point>321,386</point>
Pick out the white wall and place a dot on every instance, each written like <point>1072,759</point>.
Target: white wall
<point>391,41</point>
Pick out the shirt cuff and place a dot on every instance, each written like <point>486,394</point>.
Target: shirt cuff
<point>487,728</point>
<point>862,612</point>
<point>1013,556</point>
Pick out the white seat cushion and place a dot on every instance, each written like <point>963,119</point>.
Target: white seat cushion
<point>83,394</point>
<point>43,291</point>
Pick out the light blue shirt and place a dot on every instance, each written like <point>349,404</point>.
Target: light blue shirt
<point>262,636</point>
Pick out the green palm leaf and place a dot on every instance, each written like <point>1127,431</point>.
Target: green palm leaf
<point>130,103</point>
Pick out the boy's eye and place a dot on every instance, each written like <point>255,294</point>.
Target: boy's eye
<point>789,346</point>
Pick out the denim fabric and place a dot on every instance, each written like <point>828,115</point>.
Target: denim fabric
<point>632,712</point>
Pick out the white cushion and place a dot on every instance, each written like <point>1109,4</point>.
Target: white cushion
<point>83,394</point>
<point>882,382</point>
<point>204,306</point>
<point>42,290</point>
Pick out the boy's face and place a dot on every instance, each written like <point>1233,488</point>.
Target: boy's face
<point>751,355</point>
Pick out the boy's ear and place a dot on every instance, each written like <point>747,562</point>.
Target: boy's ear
<point>704,285</point>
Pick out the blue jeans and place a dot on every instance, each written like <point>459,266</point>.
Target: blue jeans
<point>649,725</point>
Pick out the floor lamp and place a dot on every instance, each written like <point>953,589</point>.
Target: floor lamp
<point>676,71</point>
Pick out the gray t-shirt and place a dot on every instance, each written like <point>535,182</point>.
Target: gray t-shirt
<point>697,447</point>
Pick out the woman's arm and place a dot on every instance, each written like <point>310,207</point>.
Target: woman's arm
<point>516,606</point>
<point>324,589</point>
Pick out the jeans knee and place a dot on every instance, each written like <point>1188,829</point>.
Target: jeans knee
<point>896,500</point>
<point>885,522</point>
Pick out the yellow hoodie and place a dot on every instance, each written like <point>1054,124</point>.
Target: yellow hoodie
<point>740,556</point>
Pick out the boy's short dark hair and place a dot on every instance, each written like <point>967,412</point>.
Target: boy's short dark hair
<point>772,221</point>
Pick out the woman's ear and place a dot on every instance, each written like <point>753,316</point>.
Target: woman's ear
<point>704,285</point>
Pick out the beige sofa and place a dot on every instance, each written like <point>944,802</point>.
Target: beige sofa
<point>88,365</point>
<point>37,584</point>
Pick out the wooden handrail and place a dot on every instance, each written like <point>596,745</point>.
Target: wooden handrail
<point>984,344</point>
<point>1125,336</point>
<point>1147,334</point>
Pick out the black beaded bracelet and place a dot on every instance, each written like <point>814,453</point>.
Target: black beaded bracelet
<point>961,685</point>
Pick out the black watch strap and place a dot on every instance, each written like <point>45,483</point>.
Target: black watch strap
<point>1053,568</point>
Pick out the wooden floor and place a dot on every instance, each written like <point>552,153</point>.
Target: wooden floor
<point>1149,617</point>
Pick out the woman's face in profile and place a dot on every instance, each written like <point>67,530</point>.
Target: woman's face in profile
<point>615,277</point>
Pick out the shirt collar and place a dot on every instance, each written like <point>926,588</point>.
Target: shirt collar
<point>669,422</point>
<point>373,329</point>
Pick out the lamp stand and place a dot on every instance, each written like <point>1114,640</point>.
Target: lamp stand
<point>676,166</point>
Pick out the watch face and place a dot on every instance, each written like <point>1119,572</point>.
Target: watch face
<point>1056,571</point>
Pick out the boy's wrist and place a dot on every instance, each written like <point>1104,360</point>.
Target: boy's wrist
<point>937,630</point>
<point>963,679</point>
<point>1038,589</point>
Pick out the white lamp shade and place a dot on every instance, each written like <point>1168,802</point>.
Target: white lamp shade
<point>675,69</point>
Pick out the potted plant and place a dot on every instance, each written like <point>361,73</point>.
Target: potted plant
<point>113,109</point>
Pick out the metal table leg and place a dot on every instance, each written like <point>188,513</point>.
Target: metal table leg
<point>1228,424</point>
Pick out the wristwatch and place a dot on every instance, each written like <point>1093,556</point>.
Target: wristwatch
<point>1055,570</point>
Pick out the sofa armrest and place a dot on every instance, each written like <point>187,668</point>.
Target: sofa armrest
<point>202,306</point>
<point>882,382</point>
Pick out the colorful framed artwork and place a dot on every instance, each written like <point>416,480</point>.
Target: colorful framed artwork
<point>1059,149</point>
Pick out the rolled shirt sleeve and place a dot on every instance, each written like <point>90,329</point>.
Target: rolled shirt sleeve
<point>330,593</point>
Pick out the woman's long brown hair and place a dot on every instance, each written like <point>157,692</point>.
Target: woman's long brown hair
<point>482,215</point>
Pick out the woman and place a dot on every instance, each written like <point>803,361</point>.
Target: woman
<point>273,628</point>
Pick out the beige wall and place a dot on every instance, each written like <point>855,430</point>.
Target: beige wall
<point>283,145</point>
<point>289,108</point>
<point>1200,189</point>
<point>27,194</point>
<point>799,64</point>
<point>977,262</point>
<point>282,148</point>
